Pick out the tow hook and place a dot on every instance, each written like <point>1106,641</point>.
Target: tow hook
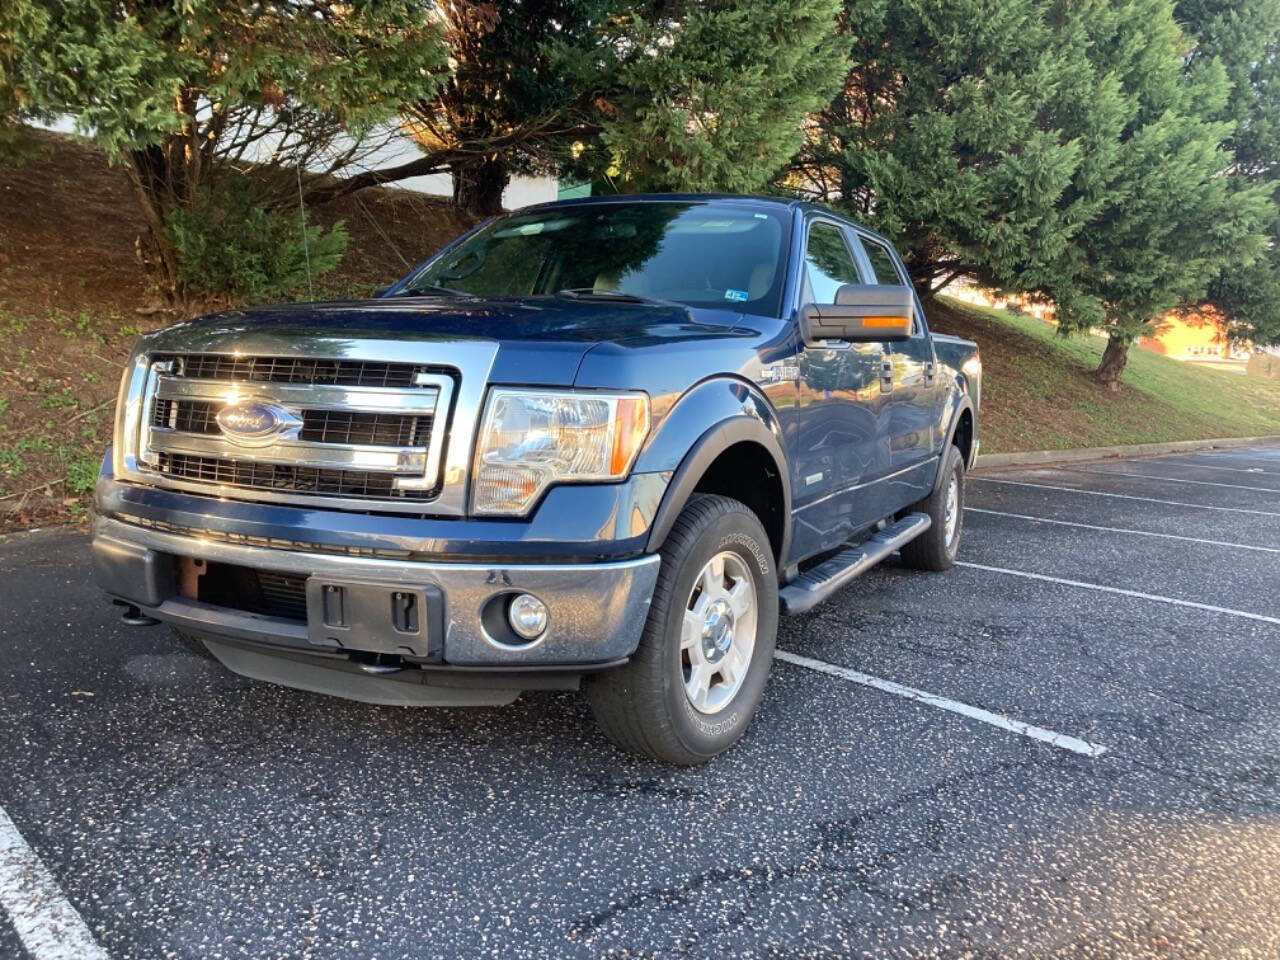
<point>133,616</point>
<point>378,664</point>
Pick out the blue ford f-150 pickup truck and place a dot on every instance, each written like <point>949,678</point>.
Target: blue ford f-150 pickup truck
<point>599,444</point>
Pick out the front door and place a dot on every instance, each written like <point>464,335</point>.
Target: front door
<point>912,414</point>
<point>841,445</point>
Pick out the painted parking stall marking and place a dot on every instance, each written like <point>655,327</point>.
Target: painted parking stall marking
<point>1060,740</point>
<point>1137,594</point>
<point>1159,479</point>
<point>1128,530</point>
<point>1124,496</point>
<point>1217,466</point>
<point>46,922</point>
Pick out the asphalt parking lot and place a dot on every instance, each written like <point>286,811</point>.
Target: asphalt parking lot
<point>1069,746</point>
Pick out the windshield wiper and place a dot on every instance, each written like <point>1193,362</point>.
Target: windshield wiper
<point>419,289</point>
<point>591,293</point>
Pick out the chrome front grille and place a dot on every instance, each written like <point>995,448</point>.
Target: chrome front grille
<point>318,426</point>
<point>274,476</point>
<point>378,429</point>
<point>191,417</point>
<point>342,373</point>
<point>363,432</point>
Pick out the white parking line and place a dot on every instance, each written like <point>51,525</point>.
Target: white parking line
<point>1125,496</point>
<point>1139,533</point>
<point>1074,744</point>
<point>47,924</point>
<point>1213,466</point>
<point>1151,476</point>
<point>1228,611</point>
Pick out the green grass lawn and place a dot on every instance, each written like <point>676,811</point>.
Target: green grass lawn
<point>1039,392</point>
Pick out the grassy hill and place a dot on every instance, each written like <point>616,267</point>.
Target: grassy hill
<point>72,300</point>
<point>1039,392</point>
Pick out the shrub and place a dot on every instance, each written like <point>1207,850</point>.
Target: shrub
<point>228,244</point>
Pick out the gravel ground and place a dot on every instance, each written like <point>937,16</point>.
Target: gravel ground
<point>186,812</point>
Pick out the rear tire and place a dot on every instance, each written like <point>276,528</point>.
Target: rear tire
<point>936,548</point>
<point>699,671</point>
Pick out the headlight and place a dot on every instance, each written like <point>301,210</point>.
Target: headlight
<point>129,414</point>
<point>531,440</point>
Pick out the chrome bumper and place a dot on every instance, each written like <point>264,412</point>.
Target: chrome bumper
<point>597,610</point>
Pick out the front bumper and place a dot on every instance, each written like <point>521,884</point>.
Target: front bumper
<point>587,523</point>
<point>597,610</point>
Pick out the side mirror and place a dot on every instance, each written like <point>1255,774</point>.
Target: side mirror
<point>861,312</point>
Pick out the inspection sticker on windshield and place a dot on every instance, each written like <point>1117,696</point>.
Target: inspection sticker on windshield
<point>737,296</point>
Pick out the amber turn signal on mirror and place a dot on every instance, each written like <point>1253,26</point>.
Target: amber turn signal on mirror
<point>861,312</point>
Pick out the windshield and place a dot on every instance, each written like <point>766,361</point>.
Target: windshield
<point>701,254</point>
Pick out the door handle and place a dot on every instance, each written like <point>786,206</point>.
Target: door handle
<point>886,376</point>
<point>928,373</point>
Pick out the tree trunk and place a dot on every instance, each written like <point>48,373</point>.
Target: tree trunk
<point>1113,360</point>
<point>477,188</point>
<point>192,154</point>
<point>164,261</point>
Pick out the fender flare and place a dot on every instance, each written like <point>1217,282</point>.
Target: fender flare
<point>710,445</point>
<point>965,403</point>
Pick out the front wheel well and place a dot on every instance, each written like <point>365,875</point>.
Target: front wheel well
<point>746,472</point>
<point>963,435</point>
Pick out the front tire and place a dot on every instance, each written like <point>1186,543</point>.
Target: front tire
<point>699,671</point>
<point>936,548</point>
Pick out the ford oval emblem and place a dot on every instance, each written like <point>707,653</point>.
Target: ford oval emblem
<point>255,423</point>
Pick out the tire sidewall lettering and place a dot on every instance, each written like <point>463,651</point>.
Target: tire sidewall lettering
<point>708,727</point>
<point>749,542</point>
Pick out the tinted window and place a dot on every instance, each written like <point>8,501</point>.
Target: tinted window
<point>881,261</point>
<point>727,255</point>
<point>828,262</point>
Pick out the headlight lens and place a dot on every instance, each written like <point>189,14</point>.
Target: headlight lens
<point>531,440</point>
<point>129,402</point>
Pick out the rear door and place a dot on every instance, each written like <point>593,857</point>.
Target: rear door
<point>841,443</point>
<point>911,417</point>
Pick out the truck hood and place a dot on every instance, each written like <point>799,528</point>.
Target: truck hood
<point>541,340</point>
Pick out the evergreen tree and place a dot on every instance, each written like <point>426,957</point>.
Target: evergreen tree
<point>1067,148</point>
<point>195,95</point>
<point>1244,36</point>
<point>22,28</point>
<point>713,96</point>
<point>506,107</point>
<point>943,136</point>
<point>654,96</point>
<point>1171,216</point>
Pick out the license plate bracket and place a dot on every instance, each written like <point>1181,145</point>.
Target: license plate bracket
<point>402,619</point>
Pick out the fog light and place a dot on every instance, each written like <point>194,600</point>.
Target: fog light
<point>528,616</point>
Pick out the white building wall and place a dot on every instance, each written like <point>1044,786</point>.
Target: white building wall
<point>521,192</point>
<point>399,149</point>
